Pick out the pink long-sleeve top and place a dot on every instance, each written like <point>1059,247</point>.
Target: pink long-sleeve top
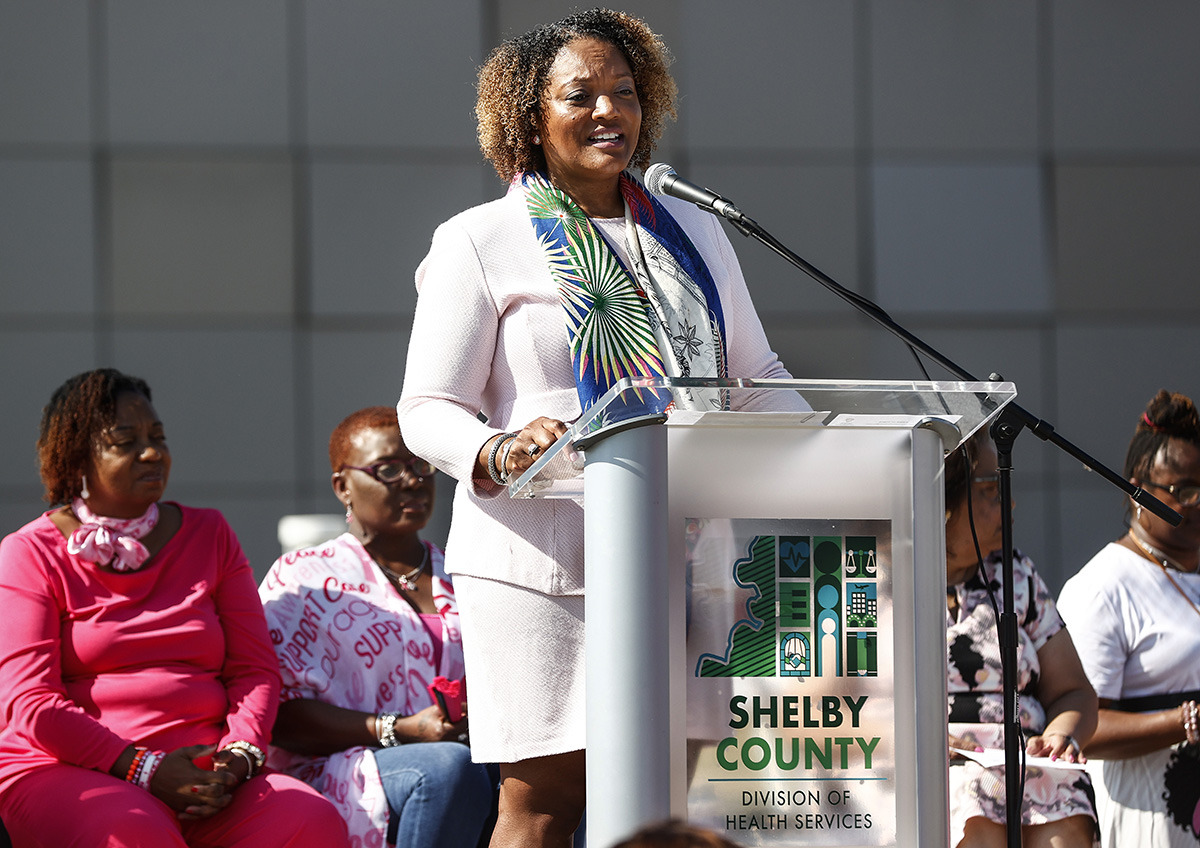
<point>91,661</point>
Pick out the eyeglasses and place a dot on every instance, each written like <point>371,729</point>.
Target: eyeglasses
<point>1186,495</point>
<point>391,471</point>
<point>989,484</point>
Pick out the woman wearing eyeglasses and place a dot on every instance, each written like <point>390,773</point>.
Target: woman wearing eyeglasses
<point>1134,611</point>
<point>1057,707</point>
<point>363,625</point>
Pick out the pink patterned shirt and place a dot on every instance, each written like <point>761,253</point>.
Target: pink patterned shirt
<point>344,636</point>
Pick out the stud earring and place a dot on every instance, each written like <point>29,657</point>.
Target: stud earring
<point>537,139</point>
<point>84,493</point>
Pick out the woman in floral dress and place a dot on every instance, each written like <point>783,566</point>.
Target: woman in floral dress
<point>1057,704</point>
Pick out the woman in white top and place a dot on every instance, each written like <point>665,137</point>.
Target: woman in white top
<point>529,308</point>
<point>1134,611</point>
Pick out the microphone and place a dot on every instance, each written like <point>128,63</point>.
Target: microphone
<point>662,179</point>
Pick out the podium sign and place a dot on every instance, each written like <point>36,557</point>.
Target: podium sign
<point>790,694</point>
<point>765,610</point>
<point>800,662</point>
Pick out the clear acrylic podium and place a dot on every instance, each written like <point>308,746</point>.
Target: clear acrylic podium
<point>765,609</point>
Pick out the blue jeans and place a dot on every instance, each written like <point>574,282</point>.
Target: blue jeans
<point>437,797</point>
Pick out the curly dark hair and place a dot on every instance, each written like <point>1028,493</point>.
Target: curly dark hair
<point>77,413</point>
<point>1181,787</point>
<point>512,84</point>
<point>364,419</point>
<point>1169,415</point>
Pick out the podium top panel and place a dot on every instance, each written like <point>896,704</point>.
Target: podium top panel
<point>954,409</point>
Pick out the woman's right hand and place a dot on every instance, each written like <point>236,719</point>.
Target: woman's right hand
<point>530,442</point>
<point>191,791</point>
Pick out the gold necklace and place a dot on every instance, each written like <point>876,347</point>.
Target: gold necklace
<point>1167,565</point>
<point>1157,555</point>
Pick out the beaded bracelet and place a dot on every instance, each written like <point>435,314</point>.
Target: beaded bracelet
<point>139,755</point>
<point>148,767</point>
<point>502,440</point>
<point>252,753</point>
<point>385,730</point>
<point>1191,728</point>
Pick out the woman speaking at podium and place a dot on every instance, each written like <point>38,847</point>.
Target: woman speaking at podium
<point>529,308</point>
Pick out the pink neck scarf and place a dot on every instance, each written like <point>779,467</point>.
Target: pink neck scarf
<point>111,541</point>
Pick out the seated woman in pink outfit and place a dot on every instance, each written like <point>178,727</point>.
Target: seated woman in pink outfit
<point>138,684</point>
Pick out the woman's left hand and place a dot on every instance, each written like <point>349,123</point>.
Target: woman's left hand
<point>1056,746</point>
<point>430,725</point>
<point>192,791</point>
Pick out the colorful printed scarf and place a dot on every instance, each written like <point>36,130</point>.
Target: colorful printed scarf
<point>620,320</point>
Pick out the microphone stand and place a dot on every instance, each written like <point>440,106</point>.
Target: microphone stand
<point>1004,431</point>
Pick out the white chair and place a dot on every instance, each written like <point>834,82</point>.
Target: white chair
<point>301,531</point>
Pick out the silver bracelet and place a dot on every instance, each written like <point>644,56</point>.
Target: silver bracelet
<point>253,754</point>
<point>508,444</point>
<point>245,755</point>
<point>385,729</point>
<point>503,439</point>
<point>1074,744</point>
<point>1071,740</point>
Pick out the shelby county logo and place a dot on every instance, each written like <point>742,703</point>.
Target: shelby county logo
<point>813,610</point>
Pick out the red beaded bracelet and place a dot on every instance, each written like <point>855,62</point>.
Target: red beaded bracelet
<point>138,755</point>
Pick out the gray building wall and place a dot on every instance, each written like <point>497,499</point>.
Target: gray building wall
<point>229,199</point>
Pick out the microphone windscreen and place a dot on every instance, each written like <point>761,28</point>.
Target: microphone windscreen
<point>656,175</point>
